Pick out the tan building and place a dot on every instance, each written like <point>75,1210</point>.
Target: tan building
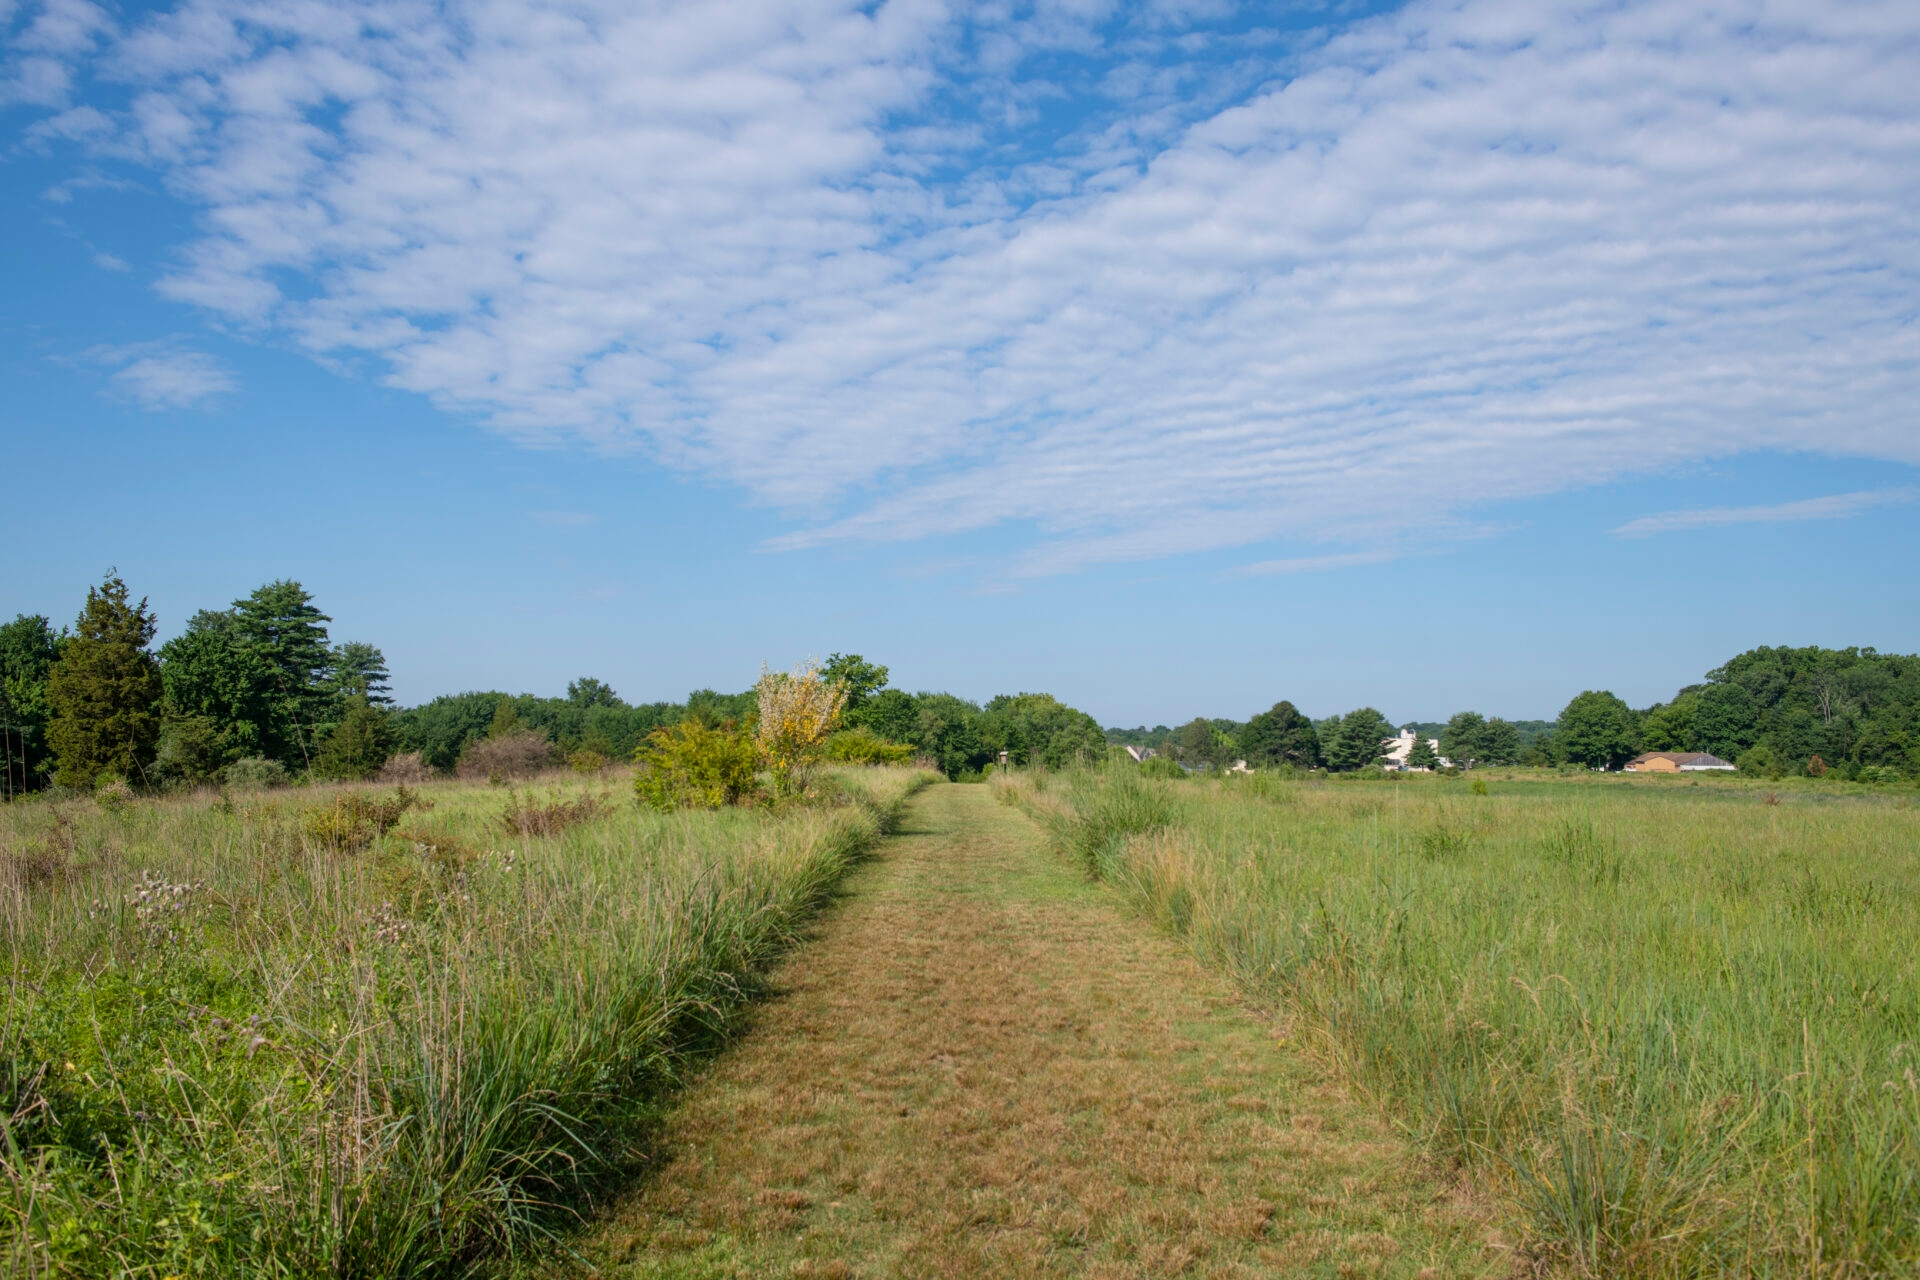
<point>1677,762</point>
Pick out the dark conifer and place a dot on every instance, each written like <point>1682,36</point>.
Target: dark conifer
<point>104,692</point>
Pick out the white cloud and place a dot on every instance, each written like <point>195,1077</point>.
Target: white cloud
<point>161,376</point>
<point>1317,564</point>
<point>1470,252</point>
<point>1832,507</point>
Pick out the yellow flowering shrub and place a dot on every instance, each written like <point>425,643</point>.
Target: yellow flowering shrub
<point>798,710</point>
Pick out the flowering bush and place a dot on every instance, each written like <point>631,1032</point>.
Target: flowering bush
<point>798,710</point>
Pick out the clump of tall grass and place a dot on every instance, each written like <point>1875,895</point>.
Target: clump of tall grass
<point>231,1043</point>
<point>1677,1030</point>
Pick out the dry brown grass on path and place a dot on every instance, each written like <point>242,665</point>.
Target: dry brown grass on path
<point>981,1067</point>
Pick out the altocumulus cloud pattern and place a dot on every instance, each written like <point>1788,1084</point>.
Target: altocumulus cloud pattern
<point>1151,279</point>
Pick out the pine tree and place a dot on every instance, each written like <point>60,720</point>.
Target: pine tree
<point>1422,755</point>
<point>358,746</point>
<point>288,635</point>
<point>104,692</point>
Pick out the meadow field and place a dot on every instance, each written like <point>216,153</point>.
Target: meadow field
<point>1672,1026</point>
<point>369,1031</point>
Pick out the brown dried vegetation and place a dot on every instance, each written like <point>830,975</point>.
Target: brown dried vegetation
<point>527,816</point>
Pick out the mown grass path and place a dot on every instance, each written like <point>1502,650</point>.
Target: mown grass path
<point>982,1067</point>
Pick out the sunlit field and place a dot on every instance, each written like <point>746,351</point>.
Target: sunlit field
<point>1672,1025</point>
<point>364,1031</point>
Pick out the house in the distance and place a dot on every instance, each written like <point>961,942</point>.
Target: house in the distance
<point>1141,753</point>
<point>1678,762</point>
<point>1394,751</point>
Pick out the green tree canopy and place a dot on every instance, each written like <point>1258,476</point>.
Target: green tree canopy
<point>215,678</point>
<point>588,692</point>
<point>1038,728</point>
<point>946,729</point>
<point>358,745</point>
<point>29,646</point>
<point>1460,740</point>
<point>288,635</point>
<point>1726,721</point>
<point>1472,739</point>
<point>861,679</point>
<point>358,670</point>
<point>1356,743</point>
<point>103,695</point>
<point>1280,735</point>
<point>1422,755</point>
<point>1499,742</point>
<point>891,713</point>
<point>1596,729</point>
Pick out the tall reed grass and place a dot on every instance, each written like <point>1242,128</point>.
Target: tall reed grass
<point>1675,1028</point>
<point>328,1034</point>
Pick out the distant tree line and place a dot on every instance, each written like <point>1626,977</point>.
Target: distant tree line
<point>1855,712</point>
<point>259,693</point>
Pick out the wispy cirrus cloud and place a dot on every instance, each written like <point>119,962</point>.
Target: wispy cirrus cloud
<point>1317,564</point>
<point>161,376</point>
<point>1831,507</point>
<point>839,255</point>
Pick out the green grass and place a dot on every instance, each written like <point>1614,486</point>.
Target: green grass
<point>256,1036</point>
<point>1674,1027</point>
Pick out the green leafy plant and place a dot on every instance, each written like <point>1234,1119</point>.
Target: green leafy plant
<point>690,765</point>
<point>863,746</point>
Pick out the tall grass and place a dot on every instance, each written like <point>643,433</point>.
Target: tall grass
<point>1676,1028</point>
<point>307,1034</point>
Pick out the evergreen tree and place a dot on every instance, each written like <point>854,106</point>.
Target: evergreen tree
<point>1357,742</point>
<point>357,746</point>
<point>104,693</point>
<point>1499,742</point>
<point>29,646</point>
<point>1460,740</point>
<point>288,634</point>
<point>358,670</point>
<point>1422,755</point>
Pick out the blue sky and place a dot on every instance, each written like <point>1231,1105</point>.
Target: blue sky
<point>1172,358</point>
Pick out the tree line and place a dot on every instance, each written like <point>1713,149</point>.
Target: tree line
<point>257,693</point>
<point>1854,712</point>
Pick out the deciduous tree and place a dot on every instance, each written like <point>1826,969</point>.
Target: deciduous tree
<point>1596,729</point>
<point>1280,735</point>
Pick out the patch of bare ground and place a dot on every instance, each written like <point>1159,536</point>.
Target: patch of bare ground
<point>982,1067</point>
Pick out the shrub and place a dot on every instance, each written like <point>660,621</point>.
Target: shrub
<point>355,820</point>
<point>1161,767</point>
<point>519,753</point>
<point>254,773</point>
<point>113,795</point>
<point>587,760</point>
<point>409,768</point>
<point>798,709</point>
<point>690,765</point>
<point>1760,762</point>
<point>864,746</point>
<point>526,816</point>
